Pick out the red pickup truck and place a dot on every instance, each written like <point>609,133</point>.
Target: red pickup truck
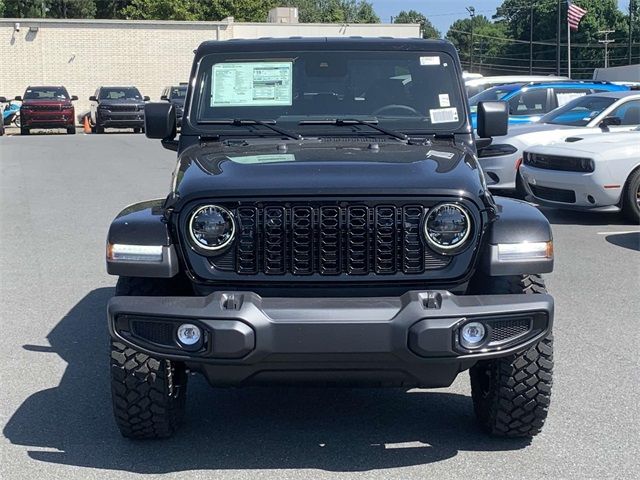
<point>47,107</point>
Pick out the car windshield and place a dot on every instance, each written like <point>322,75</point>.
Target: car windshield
<point>578,112</point>
<point>491,95</point>
<point>46,93</point>
<point>410,92</point>
<point>178,93</point>
<point>120,93</point>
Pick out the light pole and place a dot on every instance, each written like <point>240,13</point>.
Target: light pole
<point>606,42</point>
<point>531,40</point>
<point>472,14</point>
<point>632,7</point>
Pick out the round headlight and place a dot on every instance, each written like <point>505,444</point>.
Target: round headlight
<point>447,227</point>
<point>212,227</point>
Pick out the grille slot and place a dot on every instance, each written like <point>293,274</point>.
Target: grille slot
<point>331,240</point>
<point>161,333</point>
<point>508,329</point>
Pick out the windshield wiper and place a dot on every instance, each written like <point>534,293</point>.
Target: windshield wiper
<point>341,122</point>
<point>238,122</point>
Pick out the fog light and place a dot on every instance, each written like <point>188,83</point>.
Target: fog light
<point>472,334</point>
<point>189,334</point>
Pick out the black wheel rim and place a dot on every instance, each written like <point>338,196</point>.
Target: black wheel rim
<point>638,196</point>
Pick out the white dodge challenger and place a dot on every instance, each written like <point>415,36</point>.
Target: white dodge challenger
<point>591,172</point>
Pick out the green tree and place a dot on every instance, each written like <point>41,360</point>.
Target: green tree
<point>334,11</point>
<point>586,53</point>
<point>24,9</point>
<point>1,8</point>
<point>427,28</point>
<point>111,8</point>
<point>71,8</point>
<point>489,43</point>
<point>162,10</point>
<point>240,10</point>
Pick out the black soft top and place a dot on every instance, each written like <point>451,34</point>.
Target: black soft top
<point>325,43</point>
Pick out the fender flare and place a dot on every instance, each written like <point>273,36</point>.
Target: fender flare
<point>143,224</point>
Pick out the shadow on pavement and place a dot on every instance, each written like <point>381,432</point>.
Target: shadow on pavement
<point>328,429</point>
<point>629,240</point>
<point>574,217</point>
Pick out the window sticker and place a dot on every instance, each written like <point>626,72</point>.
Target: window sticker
<point>430,60</point>
<point>252,84</point>
<point>444,100</point>
<point>443,115</point>
<point>255,159</point>
<point>564,98</point>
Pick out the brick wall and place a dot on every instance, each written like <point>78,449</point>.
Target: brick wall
<point>84,54</point>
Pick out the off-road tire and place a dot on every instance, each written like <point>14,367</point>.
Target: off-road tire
<point>511,394</point>
<point>631,198</point>
<point>148,393</point>
<point>25,131</point>
<point>137,130</point>
<point>71,130</point>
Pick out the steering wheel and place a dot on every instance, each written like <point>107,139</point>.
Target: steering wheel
<point>403,108</point>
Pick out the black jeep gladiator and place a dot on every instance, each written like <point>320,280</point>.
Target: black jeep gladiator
<point>328,224</point>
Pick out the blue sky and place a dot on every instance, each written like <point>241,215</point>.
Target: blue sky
<point>443,13</point>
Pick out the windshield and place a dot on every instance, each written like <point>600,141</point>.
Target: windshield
<point>178,93</point>
<point>578,112</point>
<point>491,95</point>
<point>120,93</point>
<point>411,92</point>
<point>46,93</point>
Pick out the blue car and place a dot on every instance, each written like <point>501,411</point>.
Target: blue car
<point>528,102</point>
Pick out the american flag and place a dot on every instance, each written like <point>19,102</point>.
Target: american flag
<point>574,15</point>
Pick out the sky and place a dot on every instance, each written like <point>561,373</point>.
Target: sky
<point>443,13</point>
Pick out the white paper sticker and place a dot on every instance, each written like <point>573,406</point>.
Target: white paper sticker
<point>444,100</point>
<point>252,84</point>
<point>438,153</point>
<point>430,60</point>
<point>564,98</point>
<point>443,115</point>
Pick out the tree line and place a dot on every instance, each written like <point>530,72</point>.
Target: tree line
<point>496,43</point>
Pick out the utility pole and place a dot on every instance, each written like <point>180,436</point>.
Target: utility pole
<point>558,26</point>
<point>531,40</point>
<point>606,42</point>
<point>632,7</point>
<point>472,14</point>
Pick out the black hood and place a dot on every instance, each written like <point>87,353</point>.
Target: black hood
<point>326,167</point>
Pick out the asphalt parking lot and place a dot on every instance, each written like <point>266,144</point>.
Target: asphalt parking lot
<point>58,196</point>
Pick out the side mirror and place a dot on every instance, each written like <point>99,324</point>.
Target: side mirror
<point>610,122</point>
<point>493,119</point>
<point>93,98</point>
<point>146,98</point>
<point>2,99</point>
<point>74,98</point>
<point>18,98</point>
<point>160,120</point>
<point>164,97</point>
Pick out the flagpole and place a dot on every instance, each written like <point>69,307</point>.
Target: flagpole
<point>568,49</point>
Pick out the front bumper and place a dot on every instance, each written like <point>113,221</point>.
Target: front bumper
<point>409,340</point>
<point>59,119</point>
<point>573,190</point>
<point>121,119</point>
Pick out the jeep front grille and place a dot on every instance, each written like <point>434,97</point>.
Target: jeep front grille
<point>329,240</point>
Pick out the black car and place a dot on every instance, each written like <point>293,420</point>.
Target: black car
<point>117,107</point>
<point>328,224</point>
<point>176,95</point>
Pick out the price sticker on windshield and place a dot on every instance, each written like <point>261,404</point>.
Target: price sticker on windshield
<point>435,60</point>
<point>443,115</point>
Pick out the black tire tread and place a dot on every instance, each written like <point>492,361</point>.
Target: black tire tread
<point>148,394</point>
<point>630,209</point>
<point>511,395</point>
<point>148,398</point>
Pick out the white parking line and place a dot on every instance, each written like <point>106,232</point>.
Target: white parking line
<point>619,232</point>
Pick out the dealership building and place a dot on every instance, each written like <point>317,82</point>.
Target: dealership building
<point>84,54</point>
